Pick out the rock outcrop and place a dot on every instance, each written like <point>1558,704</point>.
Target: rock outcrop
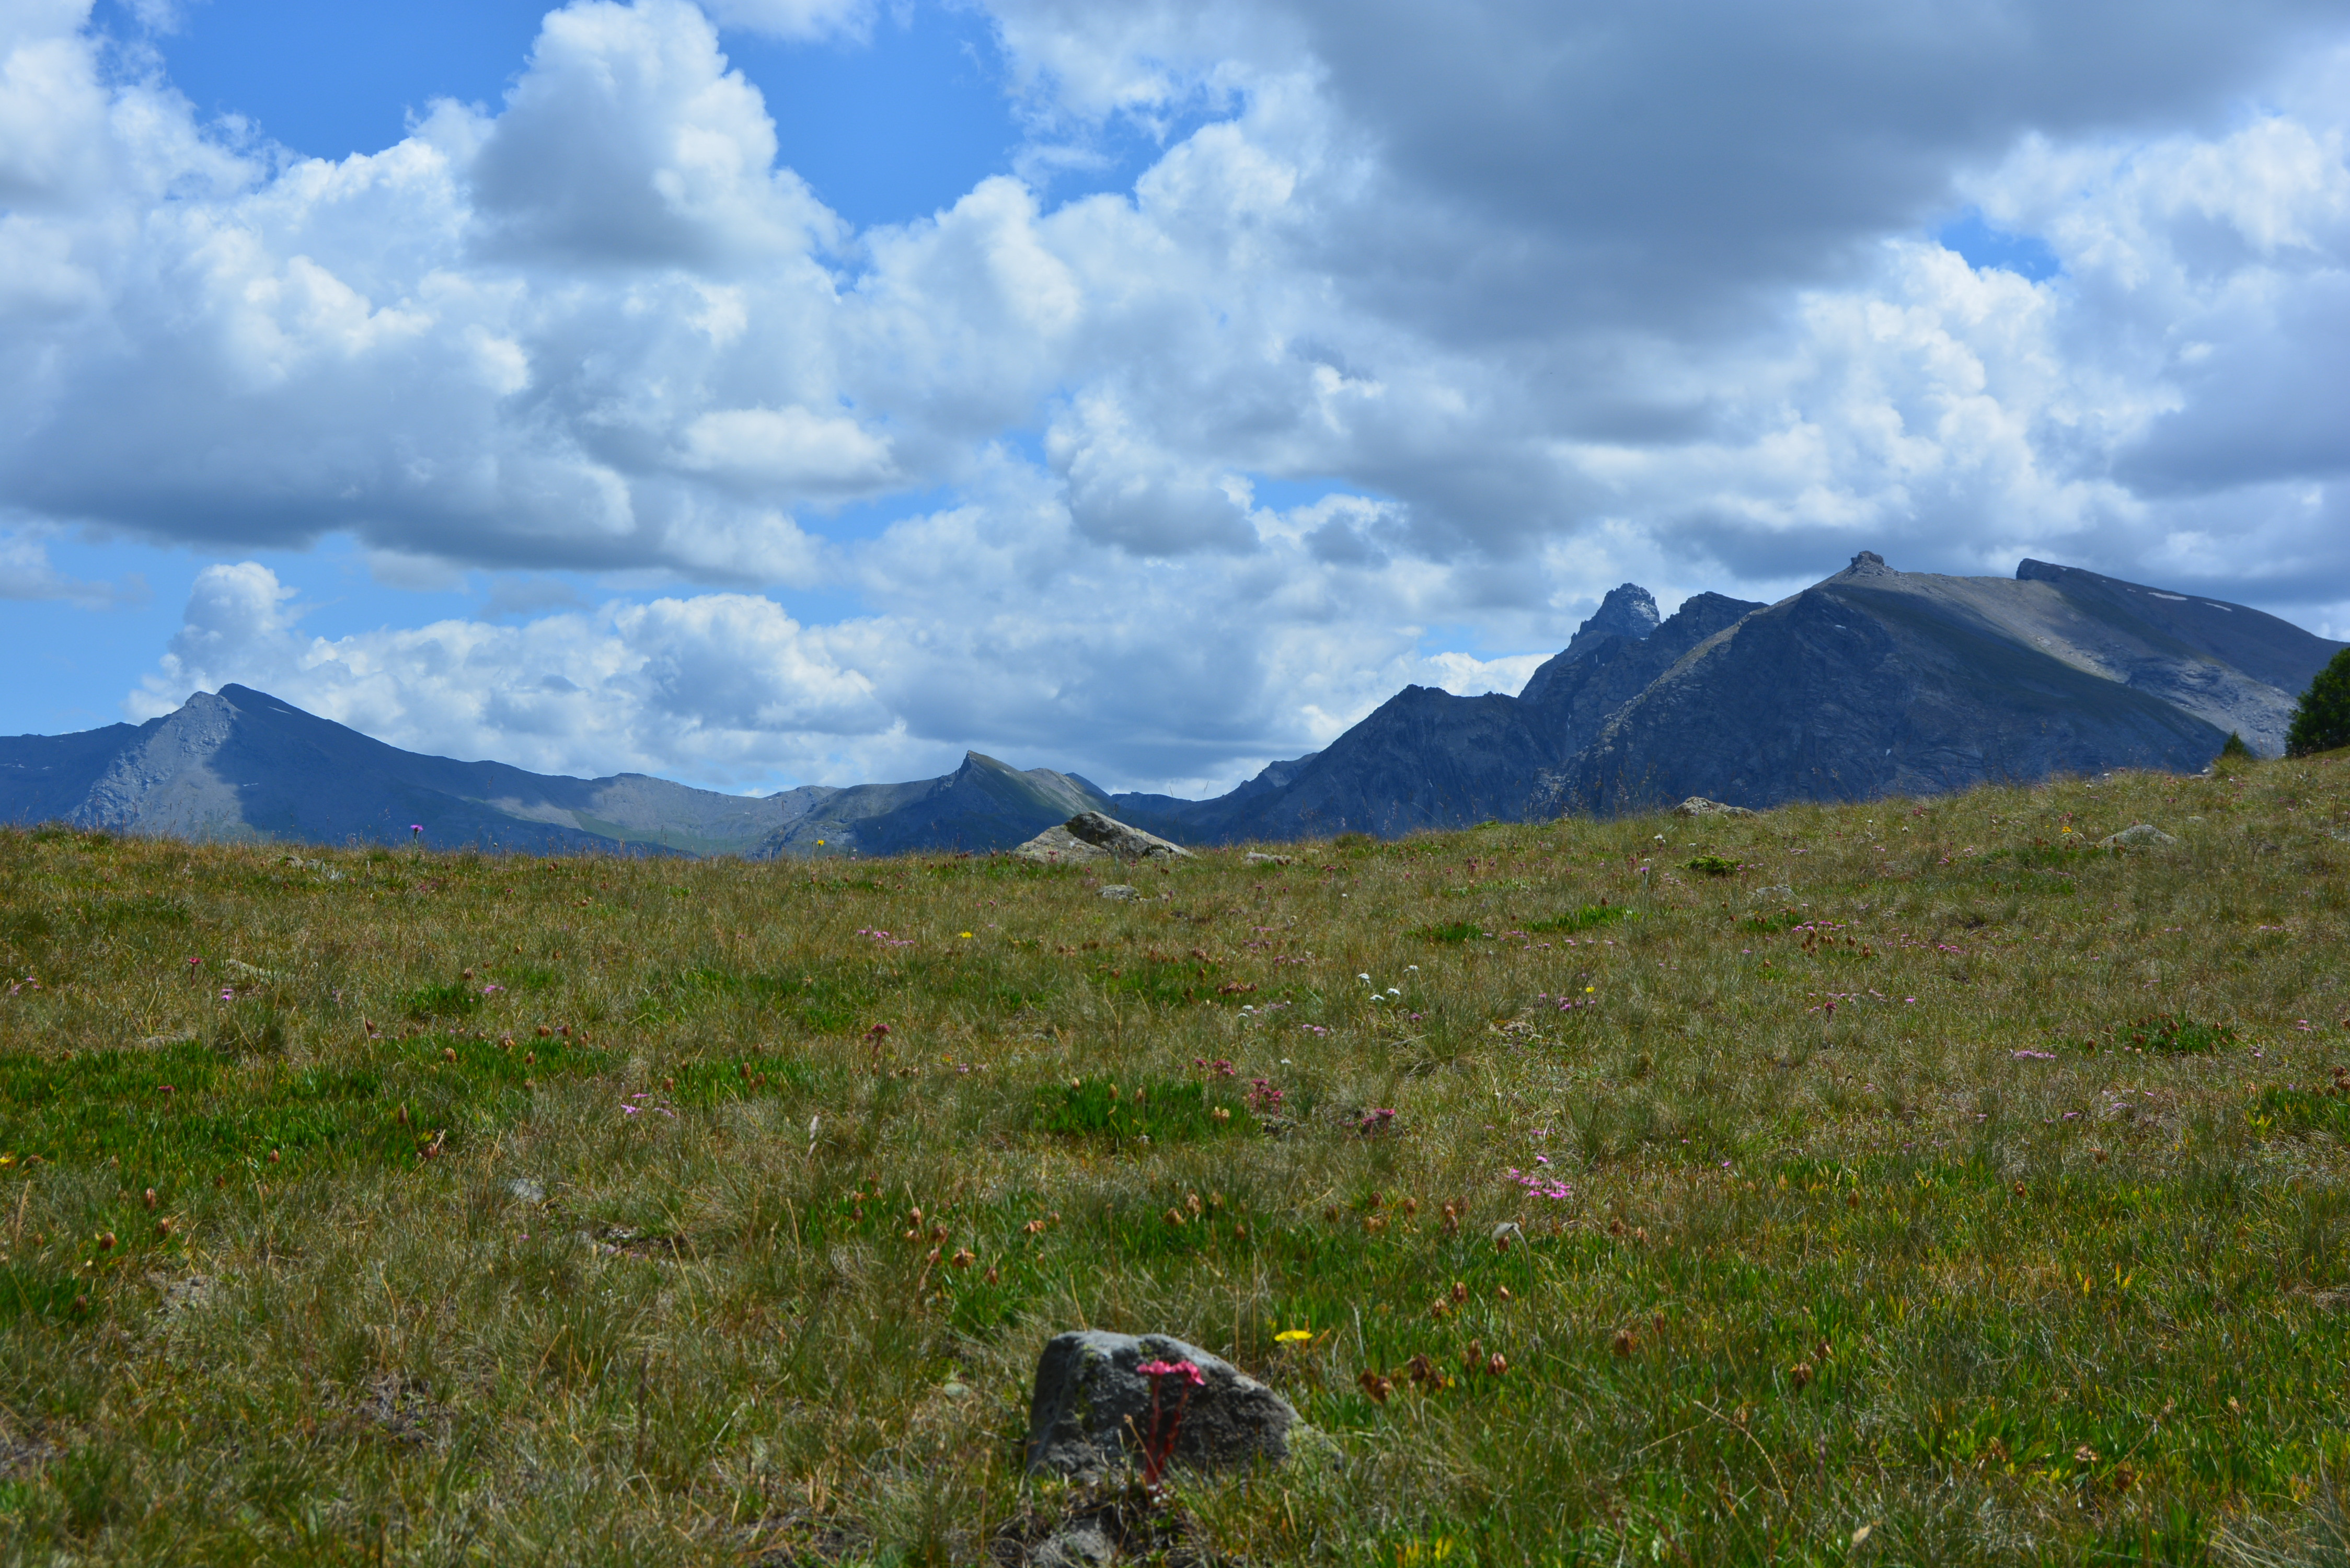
<point>1056,846</point>
<point>1090,836</point>
<point>1114,837</point>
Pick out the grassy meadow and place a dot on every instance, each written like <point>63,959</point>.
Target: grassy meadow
<point>1901,1183</point>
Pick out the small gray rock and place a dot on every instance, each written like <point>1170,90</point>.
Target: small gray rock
<point>1118,890</point>
<point>1091,1406</point>
<point>2142,835</point>
<point>522,1189</point>
<point>1779,894</point>
<point>1085,1545</point>
<point>1258,857</point>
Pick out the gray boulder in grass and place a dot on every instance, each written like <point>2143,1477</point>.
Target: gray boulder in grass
<point>1092,1407</point>
<point>2143,835</point>
<point>1090,835</point>
<point>1108,833</point>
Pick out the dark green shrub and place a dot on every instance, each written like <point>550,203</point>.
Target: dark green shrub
<point>2320,721</point>
<point>2234,749</point>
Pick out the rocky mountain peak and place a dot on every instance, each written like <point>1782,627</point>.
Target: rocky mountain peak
<point>1867,563</point>
<point>1628,610</point>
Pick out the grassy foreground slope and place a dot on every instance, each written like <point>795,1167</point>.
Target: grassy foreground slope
<point>1900,1183</point>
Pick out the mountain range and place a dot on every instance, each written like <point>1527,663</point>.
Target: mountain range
<point>1872,682</point>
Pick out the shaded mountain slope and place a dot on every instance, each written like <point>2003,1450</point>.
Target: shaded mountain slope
<point>1882,683</point>
<point>1428,758</point>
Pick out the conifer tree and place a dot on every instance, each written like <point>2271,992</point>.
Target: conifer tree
<point>2320,721</point>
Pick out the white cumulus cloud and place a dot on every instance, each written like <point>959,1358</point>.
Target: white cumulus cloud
<point>1421,325</point>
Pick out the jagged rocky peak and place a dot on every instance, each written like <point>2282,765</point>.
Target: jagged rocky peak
<point>1867,563</point>
<point>1629,610</point>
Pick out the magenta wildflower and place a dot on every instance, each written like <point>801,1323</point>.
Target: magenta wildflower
<point>1158,1442</point>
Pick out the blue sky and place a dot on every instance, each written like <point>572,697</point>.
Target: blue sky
<point>887,128</point>
<point>1149,391</point>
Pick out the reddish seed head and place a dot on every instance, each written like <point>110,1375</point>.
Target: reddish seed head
<point>150,1197</point>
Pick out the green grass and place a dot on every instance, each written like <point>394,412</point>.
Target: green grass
<point>1936,1176</point>
<point>1162,1111</point>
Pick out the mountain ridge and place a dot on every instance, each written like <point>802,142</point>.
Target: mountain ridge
<point>1872,682</point>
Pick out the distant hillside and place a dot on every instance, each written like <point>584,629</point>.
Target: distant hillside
<point>241,763</point>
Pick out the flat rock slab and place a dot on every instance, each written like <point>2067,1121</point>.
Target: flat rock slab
<point>2143,835</point>
<point>1127,843</point>
<point>1697,806</point>
<point>1056,846</point>
<point>1091,1405</point>
<point>1089,836</point>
